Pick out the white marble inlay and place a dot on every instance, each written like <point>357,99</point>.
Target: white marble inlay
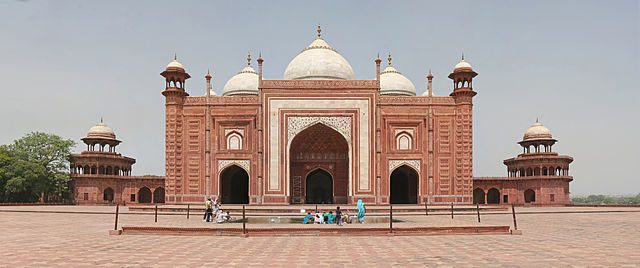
<point>243,163</point>
<point>393,164</point>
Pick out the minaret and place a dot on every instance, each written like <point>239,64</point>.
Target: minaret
<point>208,88</point>
<point>430,84</point>
<point>462,94</point>
<point>175,95</point>
<point>378,61</point>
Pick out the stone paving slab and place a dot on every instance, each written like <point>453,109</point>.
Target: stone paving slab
<point>549,240</point>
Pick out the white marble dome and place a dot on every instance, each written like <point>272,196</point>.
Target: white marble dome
<point>244,82</point>
<point>537,131</point>
<point>319,61</point>
<point>462,66</point>
<point>101,131</point>
<point>393,82</point>
<point>175,64</point>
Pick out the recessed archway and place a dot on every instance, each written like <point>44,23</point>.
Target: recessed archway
<point>144,195</point>
<point>529,196</point>
<point>158,195</point>
<point>234,185</point>
<point>319,147</point>
<point>493,196</point>
<point>108,195</point>
<point>319,187</point>
<point>404,186</point>
<point>478,196</point>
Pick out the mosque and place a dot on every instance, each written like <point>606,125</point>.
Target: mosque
<point>319,135</point>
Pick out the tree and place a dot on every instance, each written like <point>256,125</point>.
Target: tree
<point>35,167</point>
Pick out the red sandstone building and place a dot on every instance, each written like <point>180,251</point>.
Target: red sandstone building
<point>319,135</point>
<point>537,176</point>
<point>100,175</point>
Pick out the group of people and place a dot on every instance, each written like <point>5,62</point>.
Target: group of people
<point>339,218</point>
<point>213,212</point>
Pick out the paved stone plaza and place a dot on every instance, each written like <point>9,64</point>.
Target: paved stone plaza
<point>596,238</point>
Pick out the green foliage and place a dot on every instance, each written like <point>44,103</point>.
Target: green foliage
<point>607,200</point>
<point>34,167</point>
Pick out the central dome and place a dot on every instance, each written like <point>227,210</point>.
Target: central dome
<point>319,61</point>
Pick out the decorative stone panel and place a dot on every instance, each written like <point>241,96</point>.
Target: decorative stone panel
<point>298,123</point>
<point>393,164</point>
<point>245,164</point>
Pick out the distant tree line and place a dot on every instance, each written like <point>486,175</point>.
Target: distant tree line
<point>35,168</point>
<point>607,200</point>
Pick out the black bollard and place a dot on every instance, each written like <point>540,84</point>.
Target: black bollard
<point>188,208</point>
<point>426,209</point>
<point>390,218</point>
<point>513,211</point>
<point>156,213</point>
<point>244,221</point>
<point>117,210</point>
<point>478,209</point>
<point>452,210</point>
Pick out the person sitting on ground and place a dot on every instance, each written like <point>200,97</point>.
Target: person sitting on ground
<point>220,217</point>
<point>307,218</point>
<point>346,218</point>
<point>338,216</point>
<point>325,217</point>
<point>330,218</point>
<point>318,219</point>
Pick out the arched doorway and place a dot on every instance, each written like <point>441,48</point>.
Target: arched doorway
<point>319,147</point>
<point>319,187</point>
<point>404,186</point>
<point>108,194</point>
<point>529,196</point>
<point>158,195</point>
<point>234,185</point>
<point>144,195</point>
<point>493,196</point>
<point>478,196</point>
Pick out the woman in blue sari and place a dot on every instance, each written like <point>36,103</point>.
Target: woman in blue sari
<point>361,211</point>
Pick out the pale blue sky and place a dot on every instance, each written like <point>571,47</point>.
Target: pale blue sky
<point>573,64</point>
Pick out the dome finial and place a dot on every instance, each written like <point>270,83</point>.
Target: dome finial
<point>319,30</point>
<point>175,56</point>
<point>537,120</point>
<point>249,58</point>
<point>462,55</point>
<point>389,59</point>
<point>101,121</point>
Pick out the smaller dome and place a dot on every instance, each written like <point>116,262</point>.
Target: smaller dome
<point>462,66</point>
<point>537,131</point>
<point>393,82</point>
<point>244,82</point>
<point>101,131</point>
<point>175,64</point>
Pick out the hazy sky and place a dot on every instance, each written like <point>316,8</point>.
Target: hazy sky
<point>573,64</point>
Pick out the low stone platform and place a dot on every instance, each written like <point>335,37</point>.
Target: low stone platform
<point>317,231</point>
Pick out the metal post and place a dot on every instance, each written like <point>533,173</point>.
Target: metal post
<point>390,218</point>
<point>117,210</point>
<point>478,209</point>
<point>244,222</point>
<point>452,210</point>
<point>426,209</point>
<point>156,213</point>
<point>513,211</point>
<point>316,208</point>
<point>188,208</point>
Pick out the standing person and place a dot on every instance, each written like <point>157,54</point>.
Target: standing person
<point>338,216</point>
<point>361,211</point>
<point>208,211</point>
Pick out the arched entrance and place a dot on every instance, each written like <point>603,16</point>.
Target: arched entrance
<point>144,195</point>
<point>493,196</point>
<point>319,187</point>
<point>478,196</point>
<point>404,186</point>
<point>234,185</point>
<point>108,194</point>
<point>158,195</point>
<point>529,196</point>
<point>319,158</point>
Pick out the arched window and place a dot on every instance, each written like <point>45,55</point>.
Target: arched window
<point>234,141</point>
<point>403,141</point>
